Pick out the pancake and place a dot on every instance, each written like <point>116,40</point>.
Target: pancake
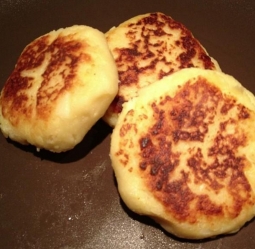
<point>62,84</point>
<point>148,47</point>
<point>183,153</point>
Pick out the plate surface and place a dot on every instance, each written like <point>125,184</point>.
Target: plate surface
<point>70,200</point>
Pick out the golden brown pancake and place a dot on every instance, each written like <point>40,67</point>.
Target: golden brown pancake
<point>148,47</point>
<point>62,84</point>
<point>183,153</point>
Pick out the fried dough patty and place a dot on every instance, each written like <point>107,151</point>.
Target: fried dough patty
<point>148,47</point>
<point>62,84</point>
<point>183,153</point>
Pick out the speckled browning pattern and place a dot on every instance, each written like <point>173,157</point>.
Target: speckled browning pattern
<point>157,46</point>
<point>58,59</point>
<point>62,84</point>
<point>194,140</point>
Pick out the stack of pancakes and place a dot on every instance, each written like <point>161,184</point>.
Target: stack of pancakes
<point>182,146</point>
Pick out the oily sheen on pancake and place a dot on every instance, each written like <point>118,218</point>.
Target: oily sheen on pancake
<point>62,84</point>
<point>148,47</point>
<point>183,153</point>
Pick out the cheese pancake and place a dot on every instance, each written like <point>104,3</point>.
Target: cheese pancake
<point>148,47</point>
<point>62,84</point>
<point>183,153</point>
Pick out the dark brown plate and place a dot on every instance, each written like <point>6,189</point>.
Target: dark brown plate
<point>70,200</point>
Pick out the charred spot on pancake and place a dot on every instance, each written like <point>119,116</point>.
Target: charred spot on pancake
<point>116,105</point>
<point>58,60</point>
<point>169,172</point>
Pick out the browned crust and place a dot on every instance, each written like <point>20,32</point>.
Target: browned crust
<point>186,118</point>
<point>64,54</point>
<point>142,47</point>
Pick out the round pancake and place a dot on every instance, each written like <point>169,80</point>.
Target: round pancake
<point>62,84</point>
<point>183,153</point>
<point>148,47</point>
